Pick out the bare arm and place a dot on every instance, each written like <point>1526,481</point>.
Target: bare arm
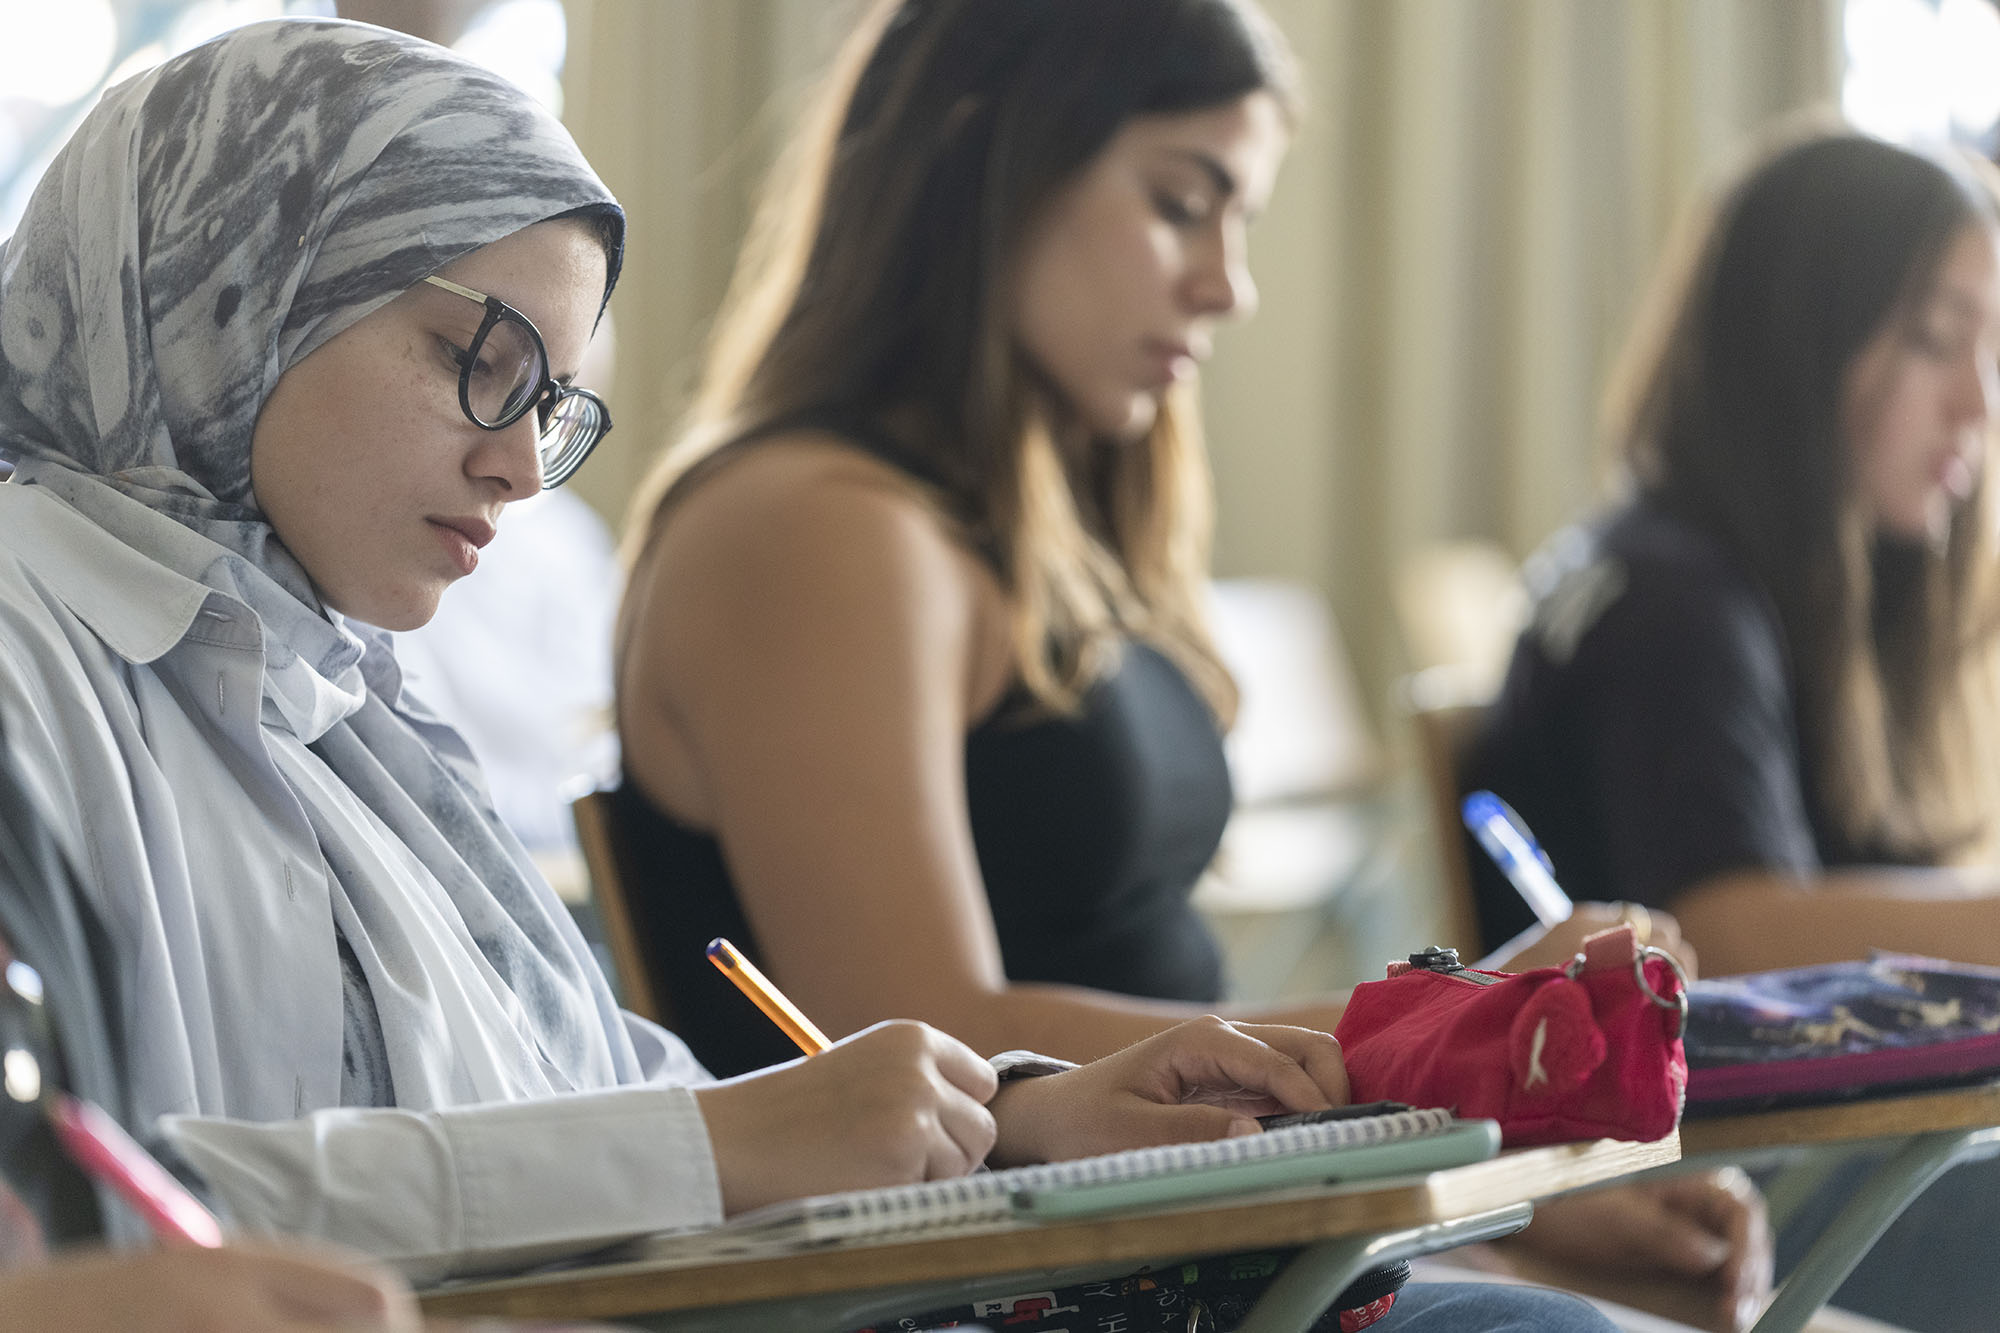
<point>810,649</point>
<point>1748,921</point>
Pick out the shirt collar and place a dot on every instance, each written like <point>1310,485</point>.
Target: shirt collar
<point>142,604</point>
<point>138,606</point>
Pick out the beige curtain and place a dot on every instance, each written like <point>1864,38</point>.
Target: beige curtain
<point>1468,217</point>
<point>680,104</point>
<point>1472,207</point>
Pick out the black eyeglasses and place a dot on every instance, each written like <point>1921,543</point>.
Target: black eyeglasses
<point>505,371</point>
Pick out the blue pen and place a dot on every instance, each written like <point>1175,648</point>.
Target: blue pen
<point>1514,849</point>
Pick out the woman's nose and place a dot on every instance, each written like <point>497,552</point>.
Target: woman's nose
<point>511,456</point>
<point>1220,283</point>
<point>1979,388</point>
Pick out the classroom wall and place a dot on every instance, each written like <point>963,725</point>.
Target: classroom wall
<point>1463,228</point>
<point>681,107</point>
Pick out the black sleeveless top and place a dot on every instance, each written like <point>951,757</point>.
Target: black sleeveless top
<point>1091,831</point>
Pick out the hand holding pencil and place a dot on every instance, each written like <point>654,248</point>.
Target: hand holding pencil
<point>893,1105</point>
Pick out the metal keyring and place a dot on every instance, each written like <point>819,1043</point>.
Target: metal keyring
<point>1680,1001</point>
<point>1574,968</point>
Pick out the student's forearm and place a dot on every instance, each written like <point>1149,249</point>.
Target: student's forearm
<point>1756,920</point>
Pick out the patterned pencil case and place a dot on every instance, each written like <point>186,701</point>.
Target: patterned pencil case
<point>1839,1031</point>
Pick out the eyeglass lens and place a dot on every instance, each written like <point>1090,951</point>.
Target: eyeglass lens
<point>506,369</point>
<point>568,432</point>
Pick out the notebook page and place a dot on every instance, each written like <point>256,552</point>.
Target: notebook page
<point>988,1196</point>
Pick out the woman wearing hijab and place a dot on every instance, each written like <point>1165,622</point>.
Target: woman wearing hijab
<point>302,901</point>
<point>287,325</point>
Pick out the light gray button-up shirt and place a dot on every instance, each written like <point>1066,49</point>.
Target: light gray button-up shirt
<point>176,768</point>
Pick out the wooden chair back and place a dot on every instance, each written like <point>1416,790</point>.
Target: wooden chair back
<point>608,860</point>
<point>1459,606</point>
<point>1442,729</point>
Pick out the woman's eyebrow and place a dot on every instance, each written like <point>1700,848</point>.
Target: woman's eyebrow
<point>1218,175</point>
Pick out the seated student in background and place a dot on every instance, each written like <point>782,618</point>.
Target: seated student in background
<point>915,693</point>
<point>286,327</point>
<point>1761,691</point>
<point>916,701</point>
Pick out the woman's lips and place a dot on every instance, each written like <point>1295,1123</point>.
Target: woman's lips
<point>462,538</point>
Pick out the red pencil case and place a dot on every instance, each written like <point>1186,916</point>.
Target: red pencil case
<point>1588,1050</point>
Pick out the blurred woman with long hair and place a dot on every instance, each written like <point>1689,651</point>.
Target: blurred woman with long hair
<point>917,699</point>
<point>1760,692</point>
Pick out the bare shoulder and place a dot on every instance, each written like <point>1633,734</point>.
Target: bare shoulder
<point>801,567</point>
<point>809,503</point>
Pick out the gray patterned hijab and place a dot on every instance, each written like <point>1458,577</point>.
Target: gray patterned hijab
<point>209,225</point>
<point>217,219</point>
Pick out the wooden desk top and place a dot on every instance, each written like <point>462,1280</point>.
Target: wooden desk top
<point>609,1291</point>
<point>1975,1107</point>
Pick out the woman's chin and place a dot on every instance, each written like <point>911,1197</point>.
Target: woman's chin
<point>400,612</point>
<point>1129,421</point>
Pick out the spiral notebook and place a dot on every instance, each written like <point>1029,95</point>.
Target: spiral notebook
<point>1313,1154</point>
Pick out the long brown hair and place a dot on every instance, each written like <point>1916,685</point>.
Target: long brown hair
<point>873,285</point>
<point>1735,425</point>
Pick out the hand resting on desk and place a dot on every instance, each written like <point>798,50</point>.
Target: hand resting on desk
<point>901,1102</point>
<point>1205,1079</point>
<point>1696,1248</point>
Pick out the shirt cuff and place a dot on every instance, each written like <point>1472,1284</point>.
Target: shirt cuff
<point>588,1168</point>
<point>1010,1065</point>
<point>469,1188</point>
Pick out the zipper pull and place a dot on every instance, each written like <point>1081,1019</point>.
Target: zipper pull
<point>1437,959</point>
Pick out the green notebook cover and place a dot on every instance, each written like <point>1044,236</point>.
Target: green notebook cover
<point>1464,1141</point>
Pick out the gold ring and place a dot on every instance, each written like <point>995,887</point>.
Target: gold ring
<point>1641,921</point>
